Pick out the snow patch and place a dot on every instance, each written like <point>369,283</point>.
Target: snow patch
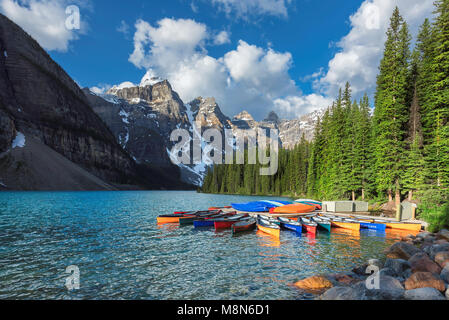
<point>5,53</point>
<point>19,141</point>
<point>124,115</point>
<point>149,79</point>
<point>2,184</point>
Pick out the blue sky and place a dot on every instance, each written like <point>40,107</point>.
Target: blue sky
<point>290,56</point>
<point>307,33</point>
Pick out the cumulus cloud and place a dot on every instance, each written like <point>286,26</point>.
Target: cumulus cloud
<point>248,77</point>
<point>44,20</point>
<point>244,8</point>
<point>301,104</point>
<point>362,48</point>
<point>222,38</point>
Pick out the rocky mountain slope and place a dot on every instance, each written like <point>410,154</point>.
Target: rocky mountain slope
<point>42,104</point>
<point>143,116</point>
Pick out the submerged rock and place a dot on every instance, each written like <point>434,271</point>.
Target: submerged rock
<point>316,283</point>
<point>425,280</point>
<point>424,294</point>
<point>340,293</point>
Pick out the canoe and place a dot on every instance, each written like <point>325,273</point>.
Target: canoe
<point>244,226</point>
<point>269,228</point>
<point>291,225</point>
<point>340,223</point>
<point>219,208</point>
<point>316,205</point>
<point>416,227</point>
<point>309,226</point>
<point>323,224</point>
<point>172,218</point>
<point>225,223</point>
<point>269,219</point>
<point>259,206</point>
<point>293,208</point>
<point>373,226</point>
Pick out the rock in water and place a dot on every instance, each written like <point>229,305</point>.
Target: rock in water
<point>398,265</point>
<point>424,294</point>
<point>375,262</point>
<point>421,262</point>
<point>389,289</point>
<point>424,280</point>
<point>340,293</point>
<point>316,283</point>
<point>401,250</point>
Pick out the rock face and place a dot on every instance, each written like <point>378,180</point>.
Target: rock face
<point>39,100</point>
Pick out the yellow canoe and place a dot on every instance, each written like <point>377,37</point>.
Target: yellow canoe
<point>346,225</point>
<point>416,227</point>
<point>271,231</point>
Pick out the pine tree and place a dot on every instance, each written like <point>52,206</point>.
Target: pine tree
<point>392,113</point>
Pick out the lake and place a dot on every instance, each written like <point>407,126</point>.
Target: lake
<point>121,252</point>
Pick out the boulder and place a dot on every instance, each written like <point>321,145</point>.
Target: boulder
<point>398,265</point>
<point>361,270</point>
<point>388,272</point>
<point>314,284</point>
<point>389,289</point>
<point>443,234</point>
<point>441,241</point>
<point>424,294</point>
<point>424,280</point>
<point>345,279</point>
<point>424,234</point>
<point>442,258</point>
<point>444,275</point>
<point>436,248</point>
<point>401,250</point>
<point>421,262</point>
<point>340,293</point>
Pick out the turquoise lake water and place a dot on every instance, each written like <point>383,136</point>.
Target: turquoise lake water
<point>121,252</point>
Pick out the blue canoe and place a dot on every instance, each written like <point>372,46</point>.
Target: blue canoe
<point>291,225</point>
<point>259,206</point>
<point>374,226</point>
<point>203,223</point>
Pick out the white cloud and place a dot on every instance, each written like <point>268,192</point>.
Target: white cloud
<point>249,77</point>
<point>362,48</point>
<point>245,8</point>
<point>100,89</point>
<point>222,38</point>
<point>300,105</point>
<point>44,20</point>
<point>123,28</point>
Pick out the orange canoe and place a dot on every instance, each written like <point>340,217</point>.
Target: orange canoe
<point>346,225</point>
<point>171,219</point>
<point>294,208</point>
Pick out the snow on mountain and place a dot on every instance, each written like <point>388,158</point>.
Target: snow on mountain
<point>19,141</point>
<point>149,79</point>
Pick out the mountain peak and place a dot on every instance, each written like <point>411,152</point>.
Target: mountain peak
<point>272,117</point>
<point>150,79</point>
<point>244,116</point>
